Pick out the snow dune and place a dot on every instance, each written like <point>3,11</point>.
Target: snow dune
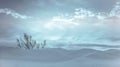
<point>56,57</point>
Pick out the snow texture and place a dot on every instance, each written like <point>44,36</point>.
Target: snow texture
<point>56,57</point>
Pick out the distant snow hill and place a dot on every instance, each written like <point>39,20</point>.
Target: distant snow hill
<point>111,54</point>
<point>55,54</point>
<point>56,57</point>
<point>43,55</point>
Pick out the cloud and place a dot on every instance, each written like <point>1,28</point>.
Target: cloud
<point>13,13</point>
<point>86,26</point>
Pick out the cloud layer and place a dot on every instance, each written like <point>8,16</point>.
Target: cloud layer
<point>62,21</point>
<point>83,26</point>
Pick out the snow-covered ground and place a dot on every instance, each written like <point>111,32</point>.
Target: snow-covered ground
<point>56,57</point>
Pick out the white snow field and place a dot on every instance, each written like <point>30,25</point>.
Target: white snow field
<point>56,57</point>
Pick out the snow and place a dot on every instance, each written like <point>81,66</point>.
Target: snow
<point>56,57</point>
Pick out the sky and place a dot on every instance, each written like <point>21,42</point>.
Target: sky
<point>63,23</point>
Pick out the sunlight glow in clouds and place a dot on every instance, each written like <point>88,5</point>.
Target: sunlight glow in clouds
<point>60,23</point>
<point>79,17</point>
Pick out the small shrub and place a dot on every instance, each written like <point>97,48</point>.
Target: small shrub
<point>43,44</point>
<point>28,43</point>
